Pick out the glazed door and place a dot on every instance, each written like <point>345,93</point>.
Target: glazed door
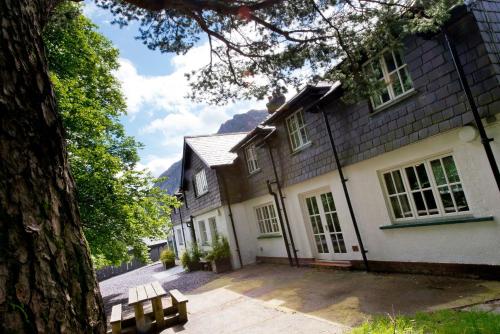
<point>325,226</point>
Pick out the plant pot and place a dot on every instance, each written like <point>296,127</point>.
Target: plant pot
<point>222,265</point>
<point>168,265</point>
<point>194,266</point>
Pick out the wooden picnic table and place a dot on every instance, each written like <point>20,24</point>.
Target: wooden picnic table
<point>144,293</point>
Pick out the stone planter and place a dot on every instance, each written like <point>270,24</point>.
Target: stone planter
<point>221,265</point>
<point>194,267</point>
<point>168,265</point>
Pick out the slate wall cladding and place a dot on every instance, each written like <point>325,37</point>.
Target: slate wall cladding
<point>437,105</point>
<point>205,202</point>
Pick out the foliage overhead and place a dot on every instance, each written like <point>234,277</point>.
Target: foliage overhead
<point>257,46</point>
<point>119,205</point>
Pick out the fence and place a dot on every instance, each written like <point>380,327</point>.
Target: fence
<point>154,255</point>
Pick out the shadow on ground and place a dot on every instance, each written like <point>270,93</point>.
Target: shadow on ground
<point>351,297</point>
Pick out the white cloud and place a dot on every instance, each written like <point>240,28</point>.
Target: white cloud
<point>157,165</point>
<point>173,116</point>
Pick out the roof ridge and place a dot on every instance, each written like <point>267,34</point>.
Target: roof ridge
<point>217,134</point>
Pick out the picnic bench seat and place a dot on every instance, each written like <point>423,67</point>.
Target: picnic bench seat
<point>165,317</point>
<point>116,319</point>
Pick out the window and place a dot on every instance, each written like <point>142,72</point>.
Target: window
<point>252,162</point>
<point>179,237</point>
<point>267,220</point>
<point>390,69</point>
<point>427,189</point>
<point>201,184</point>
<point>212,223</point>
<point>297,130</point>
<point>203,232</point>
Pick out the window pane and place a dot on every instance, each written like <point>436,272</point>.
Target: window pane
<point>459,196</point>
<point>406,80</point>
<point>399,58</point>
<point>396,208</point>
<point>422,176</point>
<point>412,178</point>
<point>389,61</point>
<point>438,172</point>
<point>385,95</point>
<point>430,201</point>
<point>396,84</point>
<point>398,181</point>
<point>419,204</point>
<point>303,135</point>
<point>446,199</point>
<point>405,206</point>
<point>451,169</point>
<point>389,184</point>
<point>377,69</point>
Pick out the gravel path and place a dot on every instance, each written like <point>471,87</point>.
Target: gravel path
<point>115,289</point>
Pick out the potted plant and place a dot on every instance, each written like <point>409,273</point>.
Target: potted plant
<point>190,259</point>
<point>220,255</point>
<point>167,257</point>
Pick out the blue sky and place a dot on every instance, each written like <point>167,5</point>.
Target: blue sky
<point>154,85</point>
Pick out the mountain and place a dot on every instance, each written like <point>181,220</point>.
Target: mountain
<point>239,123</point>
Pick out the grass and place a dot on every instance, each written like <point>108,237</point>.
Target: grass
<point>441,322</point>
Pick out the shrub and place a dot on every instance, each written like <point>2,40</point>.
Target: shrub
<point>191,258</point>
<point>220,250</point>
<point>167,256</point>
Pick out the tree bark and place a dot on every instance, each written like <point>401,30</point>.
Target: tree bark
<point>47,284</point>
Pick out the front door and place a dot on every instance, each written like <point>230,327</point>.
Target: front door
<point>325,226</point>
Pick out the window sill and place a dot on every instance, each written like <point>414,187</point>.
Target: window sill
<point>438,221</point>
<point>257,171</point>
<point>199,196</point>
<point>397,100</point>
<point>269,236</point>
<point>302,148</point>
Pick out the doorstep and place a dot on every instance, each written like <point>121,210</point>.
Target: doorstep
<point>331,265</point>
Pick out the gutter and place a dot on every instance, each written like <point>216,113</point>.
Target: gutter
<point>285,238</point>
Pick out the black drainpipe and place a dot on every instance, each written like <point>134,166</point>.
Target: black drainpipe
<point>182,228</point>
<point>477,118</point>
<point>285,238</point>
<point>344,187</point>
<point>232,220</point>
<point>176,251</point>
<point>283,204</point>
<point>193,232</point>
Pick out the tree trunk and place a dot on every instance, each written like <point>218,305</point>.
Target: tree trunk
<point>47,283</point>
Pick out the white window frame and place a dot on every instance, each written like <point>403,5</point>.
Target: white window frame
<point>202,227</point>
<point>433,186</point>
<point>267,219</point>
<point>200,181</point>
<point>179,237</point>
<point>297,131</point>
<point>212,223</point>
<point>398,70</point>
<point>252,161</point>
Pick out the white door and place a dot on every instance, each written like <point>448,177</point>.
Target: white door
<point>325,226</point>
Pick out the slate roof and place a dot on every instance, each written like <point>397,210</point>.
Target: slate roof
<point>214,150</point>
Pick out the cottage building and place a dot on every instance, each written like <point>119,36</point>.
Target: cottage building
<point>418,193</point>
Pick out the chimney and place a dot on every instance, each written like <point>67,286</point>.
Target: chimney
<point>275,101</point>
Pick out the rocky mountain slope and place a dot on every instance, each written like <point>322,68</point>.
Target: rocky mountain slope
<point>239,123</point>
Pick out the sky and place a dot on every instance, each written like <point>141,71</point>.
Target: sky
<point>158,114</point>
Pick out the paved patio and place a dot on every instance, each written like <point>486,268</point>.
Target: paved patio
<point>277,298</point>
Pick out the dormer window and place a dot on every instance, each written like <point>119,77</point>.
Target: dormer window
<point>252,161</point>
<point>200,181</point>
<point>297,131</point>
<point>391,69</point>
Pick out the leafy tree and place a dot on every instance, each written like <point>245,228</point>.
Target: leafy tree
<point>119,206</point>
<point>47,283</point>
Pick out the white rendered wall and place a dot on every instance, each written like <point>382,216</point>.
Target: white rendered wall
<point>470,243</point>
